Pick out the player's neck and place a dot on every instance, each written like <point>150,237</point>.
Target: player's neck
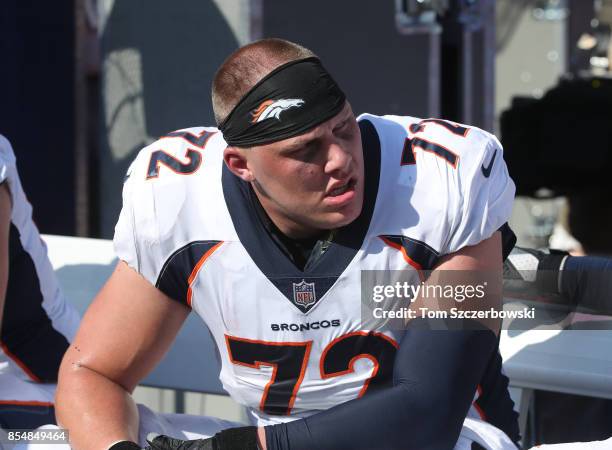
<point>288,227</point>
<point>281,222</point>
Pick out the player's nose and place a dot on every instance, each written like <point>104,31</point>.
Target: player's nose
<point>339,160</point>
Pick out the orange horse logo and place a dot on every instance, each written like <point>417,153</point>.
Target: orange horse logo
<point>272,108</point>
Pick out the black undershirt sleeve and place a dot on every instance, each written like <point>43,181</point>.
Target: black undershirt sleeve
<point>436,374</point>
<point>587,282</point>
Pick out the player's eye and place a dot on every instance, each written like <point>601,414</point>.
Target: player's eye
<point>310,150</point>
<point>342,126</point>
<point>345,130</point>
<point>306,152</point>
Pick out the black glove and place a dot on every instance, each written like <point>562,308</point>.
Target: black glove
<point>167,443</point>
<point>242,438</point>
<point>533,275</point>
<point>125,445</point>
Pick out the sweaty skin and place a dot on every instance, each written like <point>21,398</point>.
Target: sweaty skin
<point>124,334</point>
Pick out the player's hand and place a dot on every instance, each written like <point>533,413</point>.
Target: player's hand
<point>167,443</point>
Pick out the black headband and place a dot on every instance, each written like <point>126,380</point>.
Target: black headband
<point>290,100</point>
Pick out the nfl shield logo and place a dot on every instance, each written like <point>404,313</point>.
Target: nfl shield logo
<point>304,294</point>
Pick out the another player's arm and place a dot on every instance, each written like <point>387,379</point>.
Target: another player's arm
<point>5,222</point>
<point>432,368</point>
<point>582,283</point>
<point>125,332</point>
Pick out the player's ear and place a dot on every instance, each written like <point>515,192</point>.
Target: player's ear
<point>236,161</point>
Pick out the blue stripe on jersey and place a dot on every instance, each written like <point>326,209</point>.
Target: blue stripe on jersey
<point>28,336</point>
<point>304,288</point>
<point>174,276</point>
<point>24,416</point>
<point>508,239</point>
<point>418,251</point>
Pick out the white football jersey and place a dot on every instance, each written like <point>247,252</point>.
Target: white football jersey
<point>38,322</point>
<point>291,342</point>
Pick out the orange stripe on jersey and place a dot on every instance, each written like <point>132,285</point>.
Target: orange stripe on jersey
<point>24,403</point>
<point>399,247</point>
<point>196,269</point>
<point>479,410</point>
<point>20,363</point>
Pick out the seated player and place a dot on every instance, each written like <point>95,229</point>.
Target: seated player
<point>262,227</point>
<point>36,322</point>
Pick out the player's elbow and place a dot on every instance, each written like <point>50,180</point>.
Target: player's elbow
<point>67,380</point>
<point>72,379</point>
<point>76,383</point>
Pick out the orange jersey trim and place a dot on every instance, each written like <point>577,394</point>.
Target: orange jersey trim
<point>20,363</point>
<point>196,270</point>
<point>24,403</point>
<point>407,258</point>
<point>479,410</point>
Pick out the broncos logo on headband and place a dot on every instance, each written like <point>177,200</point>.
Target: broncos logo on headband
<point>273,108</point>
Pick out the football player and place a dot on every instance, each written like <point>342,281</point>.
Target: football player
<point>263,227</point>
<point>36,321</point>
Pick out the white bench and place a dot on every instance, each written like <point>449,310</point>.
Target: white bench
<point>546,358</point>
<point>550,357</point>
<point>83,266</point>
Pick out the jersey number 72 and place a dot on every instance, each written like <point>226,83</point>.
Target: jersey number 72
<point>289,361</point>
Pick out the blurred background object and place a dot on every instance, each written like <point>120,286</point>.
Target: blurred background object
<point>102,78</point>
<point>37,103</point>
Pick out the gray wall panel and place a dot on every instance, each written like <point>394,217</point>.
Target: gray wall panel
<point>380,70</point>
<point>158,62</point>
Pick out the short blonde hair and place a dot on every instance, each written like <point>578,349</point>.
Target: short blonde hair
<point>246,66</point>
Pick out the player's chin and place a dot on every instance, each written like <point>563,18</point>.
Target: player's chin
<point>340,217</point>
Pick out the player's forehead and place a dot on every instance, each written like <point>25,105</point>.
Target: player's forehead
<point>318,131</point>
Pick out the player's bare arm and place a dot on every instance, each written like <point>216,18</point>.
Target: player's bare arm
<point>5,221</point>
<point>125,332</point>
<point>476,263</point>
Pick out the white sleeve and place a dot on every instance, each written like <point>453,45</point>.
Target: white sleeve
<point>124,240</point>
<point>7,158</point>
<point>486,201</point>
<point>150,229</point>
<point>136,239</point>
